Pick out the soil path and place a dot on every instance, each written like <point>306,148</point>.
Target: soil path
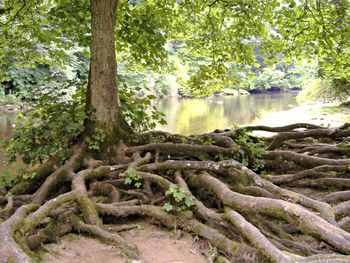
<point>155,246</point>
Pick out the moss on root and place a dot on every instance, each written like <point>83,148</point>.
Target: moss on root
<point>96,190</point>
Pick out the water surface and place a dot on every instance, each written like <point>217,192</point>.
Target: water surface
<point>195,116</point>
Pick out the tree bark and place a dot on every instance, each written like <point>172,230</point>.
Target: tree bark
<point>102,93</point>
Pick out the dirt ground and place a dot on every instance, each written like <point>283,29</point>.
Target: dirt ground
<point>155,246</point>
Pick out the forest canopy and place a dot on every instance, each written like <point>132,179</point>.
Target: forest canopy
<point>222,38</point>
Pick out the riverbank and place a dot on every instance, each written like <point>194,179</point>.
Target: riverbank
<point>328,115</point>
<point>177,246</point>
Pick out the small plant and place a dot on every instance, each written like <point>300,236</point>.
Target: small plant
<point>183,200</point>
<point>208,141</point>
<point>212,251</point>
<point>264,175</point>
<point>168,207</point>
<point>94,142</point>
<point>132,177</point>
<point>250,150</point>
<point>183,139</point>
<point>29,175</point>
<point>7,180</point>
<point>63,157</point>
<point>159,138</point>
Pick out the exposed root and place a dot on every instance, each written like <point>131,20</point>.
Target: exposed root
<point>314,172</point>
<point>254,236</point>
<point>9,249</point>
<point>280,213</point>
<point>286,128</point>
<point>301,218</point>
<point>337,197</point>
<point>199,151</point>
<point>184,221</point>
<point>106,236</point>
<point>314,133</point>
<point>305,160</point>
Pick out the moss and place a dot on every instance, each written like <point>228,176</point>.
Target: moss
<point>26,225</point>
<point>22,188</point>
<point>241,178</point>
<point>36,256</point>
<point>19,239</point>
<point>202,156</point>
<point>88,209</point>
<point>98,172</point>
<point>221,259</point>
<point>11,260</point>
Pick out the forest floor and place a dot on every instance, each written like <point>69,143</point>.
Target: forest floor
<point>156,245</point>
<point>170,245</point>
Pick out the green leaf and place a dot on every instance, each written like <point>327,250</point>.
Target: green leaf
<point>189,201</point>
<point>128,180</point>
<point>167,207</point>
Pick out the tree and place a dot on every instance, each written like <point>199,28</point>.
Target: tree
<point>222,165</point>
<point>102,94</point>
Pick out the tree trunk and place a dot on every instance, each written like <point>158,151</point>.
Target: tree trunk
<point>102,93</point>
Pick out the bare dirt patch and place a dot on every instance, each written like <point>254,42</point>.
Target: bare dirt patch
<point>155,246</point>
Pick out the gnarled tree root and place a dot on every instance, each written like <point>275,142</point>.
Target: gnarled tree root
<point>238,210</point>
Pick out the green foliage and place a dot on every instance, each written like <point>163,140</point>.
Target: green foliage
<point>138,110</point>
<point>182,200</point>
<point>208,141</point>
<point>131,177</point>
<point>57,117</point>
<point>56,122</point>
<point>51,126</point>
<point>142,32</point>
<point>168,207</point>
<point>9,99</point>
<point>29,175</point>
<point>95,140</point>
<point>30,84</point>
<point>7,180</point>
<point>212,251</point>
<point>250,150</point>
<point>183,139</point>
<point>213,46</point>
<point>147,82</point>
<point>219,157</point>
<point>38,33</point>
<point>268,79</point>
<point>203,140</point>
<point>221,38</point>
<point>159,138</point>
<point>325,90</point>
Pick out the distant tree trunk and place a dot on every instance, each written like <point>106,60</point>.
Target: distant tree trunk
<point>102,93</point>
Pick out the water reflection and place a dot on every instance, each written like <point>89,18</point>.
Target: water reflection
<point>194,116</point>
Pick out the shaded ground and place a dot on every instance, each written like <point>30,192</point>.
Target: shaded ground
<point>155,246</point>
